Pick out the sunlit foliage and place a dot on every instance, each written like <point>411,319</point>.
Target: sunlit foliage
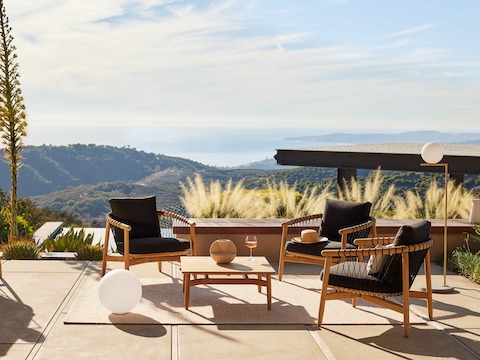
<point>280,200</point>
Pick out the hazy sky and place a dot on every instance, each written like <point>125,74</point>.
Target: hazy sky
<point>351,65</point>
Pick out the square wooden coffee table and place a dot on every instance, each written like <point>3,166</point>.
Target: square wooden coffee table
<point>241,267</point>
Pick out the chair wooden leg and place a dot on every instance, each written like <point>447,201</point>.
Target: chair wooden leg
<point>406,294</point>
<point>159,266</point>
<point>105,248</point>
<point>428,284</point>
<point>281,260</point>
<point>281,264</point>
<point>104,265</point>
<point>323,295</point>
<point>126,260</point>
<point>126,249</point>
<point>354,302</point>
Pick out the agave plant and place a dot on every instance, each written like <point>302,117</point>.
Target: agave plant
<point>89,252</point>
<point>24,249</point>
<point>69,241</point>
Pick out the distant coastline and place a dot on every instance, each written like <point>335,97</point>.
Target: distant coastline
<point>226,147</point>
<point>210,146</point>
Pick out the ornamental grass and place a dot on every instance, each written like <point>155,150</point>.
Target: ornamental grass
<point>281,200</point>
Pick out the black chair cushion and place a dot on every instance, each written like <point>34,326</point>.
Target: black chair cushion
<point>412,234</point>
<point>354,275</point>
<point>415,233</point>
<point>139,213</point>
<point>314,249</point>
<point>157,245</point>
<point>339,214</point>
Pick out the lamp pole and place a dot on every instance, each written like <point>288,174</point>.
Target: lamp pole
<point>432,154</point>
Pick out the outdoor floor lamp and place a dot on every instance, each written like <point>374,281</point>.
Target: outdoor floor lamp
<point>432,154</point>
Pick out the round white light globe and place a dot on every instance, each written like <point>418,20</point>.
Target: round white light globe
<point>119,291</point>
<point>432,153</point>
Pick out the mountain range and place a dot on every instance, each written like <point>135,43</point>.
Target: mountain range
<point>376,138</point>
<point>82,178</point>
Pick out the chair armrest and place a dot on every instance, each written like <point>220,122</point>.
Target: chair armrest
<point>359,227</point>
<point>117,223</point>
<point>172,215</point>
<point>301,219</point>
<point>365,252</point>
<point>180,225</point>
<point>374,241</point>
<point>378,251</point>
<point>349,234</point>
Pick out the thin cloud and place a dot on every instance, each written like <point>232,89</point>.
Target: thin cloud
<point>411,31</point>
<point>221,62</point>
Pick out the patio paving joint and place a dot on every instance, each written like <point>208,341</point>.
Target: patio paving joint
<point>175,343</point>
<point>321,344</point>
<point>58,312</point>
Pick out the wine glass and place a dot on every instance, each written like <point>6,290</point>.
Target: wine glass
<point>251,242</point>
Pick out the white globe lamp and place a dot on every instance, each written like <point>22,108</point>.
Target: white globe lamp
<point>432,153</point>
<point>120,291</point>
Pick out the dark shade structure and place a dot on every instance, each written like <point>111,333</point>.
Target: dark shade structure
<point>461,158</point>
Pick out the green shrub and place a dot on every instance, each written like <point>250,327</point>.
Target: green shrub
<point>24,229</point>
<point>70,241</point>
<point>466,263</point>
<point>464,260</point>
<point>90,252</point>
<point>475,237</point>
<point>21,250</point>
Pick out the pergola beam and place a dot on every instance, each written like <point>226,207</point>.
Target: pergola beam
<point>461,159</point>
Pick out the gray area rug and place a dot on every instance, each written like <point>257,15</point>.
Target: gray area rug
<point>294,301</point>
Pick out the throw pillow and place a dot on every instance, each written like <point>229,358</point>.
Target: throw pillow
<point>376,262</point>
<point>412,234</point>
<point>339,214</point>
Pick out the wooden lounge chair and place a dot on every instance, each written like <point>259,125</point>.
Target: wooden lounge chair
<point>386,269</point>
<point>341,223</point>
<point>144,234</point>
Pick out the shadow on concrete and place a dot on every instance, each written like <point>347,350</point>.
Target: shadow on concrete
<point>17,324</point>
<point>423,342</point>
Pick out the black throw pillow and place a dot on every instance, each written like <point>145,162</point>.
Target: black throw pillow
<point>339,214</point>
<point>412,234</point>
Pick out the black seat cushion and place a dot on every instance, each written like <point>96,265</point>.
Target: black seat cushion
<point>354,275</point>
<point>139,213</point>
<point>157,245</point>
<point>314,249</point>
<point>339,214</point>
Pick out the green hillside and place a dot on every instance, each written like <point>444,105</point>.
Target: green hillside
<point>53,168</point>
<point>80,179</point>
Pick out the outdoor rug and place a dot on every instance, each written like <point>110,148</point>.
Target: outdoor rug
<point>294,301</point>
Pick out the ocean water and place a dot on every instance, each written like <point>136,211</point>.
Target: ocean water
<point>211,146</point>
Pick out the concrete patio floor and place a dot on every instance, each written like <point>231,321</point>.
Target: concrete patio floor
<point>36,295</point>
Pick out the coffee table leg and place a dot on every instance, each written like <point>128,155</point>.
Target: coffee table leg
<point>269,291</point>
<point>186,284</point>
<point>259,283</point>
